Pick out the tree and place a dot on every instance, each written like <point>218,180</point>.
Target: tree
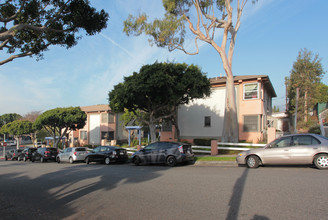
<point>18,128</point>
<point>306,75</point>
<point>10,117</point>
<point>209,17</point>
<point>157,90</point>
<point>321,91</point>
<point>60,121</point>
<point>30,27</point>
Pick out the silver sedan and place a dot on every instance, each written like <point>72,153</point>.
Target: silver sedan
<point>289,149</point>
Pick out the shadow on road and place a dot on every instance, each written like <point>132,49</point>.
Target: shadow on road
<point>236,198</point>
<point>42,194</point>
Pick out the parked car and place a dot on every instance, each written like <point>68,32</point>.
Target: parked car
<point>72,154</point>
<point>43,154</point>
<point>169,153</point>
<point>13,154</point>
<point>289,149</point>
<point>27,154</point>
<point>107,155</point>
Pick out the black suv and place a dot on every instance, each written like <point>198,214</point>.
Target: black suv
<point>169,153</point>
<point>27,154</point>
<point>44,154</point>
<point>13,154</point>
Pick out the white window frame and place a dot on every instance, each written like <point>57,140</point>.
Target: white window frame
<point>257,92</point>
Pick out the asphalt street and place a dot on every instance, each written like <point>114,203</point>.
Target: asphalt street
<point>96,191</point>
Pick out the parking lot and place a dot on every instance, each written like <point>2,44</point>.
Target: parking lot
<point>80,191</point>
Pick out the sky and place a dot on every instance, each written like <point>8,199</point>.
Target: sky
<point>272,33</point>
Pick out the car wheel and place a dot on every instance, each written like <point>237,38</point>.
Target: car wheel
<point>71,160</point>
<point>171,161</point>
<point>87,160</point>
<point>252,162</point>
<point>321,161</point>
<point>24,159</point>
<point>58,160</point>
<point>136,161</point>
<point>32,160</point>
<point>42,160</point>
<point>6,158</point>
<point>18,158</point>
<point>107,160</point>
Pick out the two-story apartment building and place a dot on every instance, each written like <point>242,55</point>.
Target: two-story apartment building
<point>203,118</point>
<point>102,127</point>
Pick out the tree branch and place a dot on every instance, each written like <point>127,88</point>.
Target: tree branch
<point>11,58</point>
<point>6,20</point>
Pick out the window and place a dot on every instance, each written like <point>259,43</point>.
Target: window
<point>167,125</point>
<point>251,91</point>
<point>83,135</point>
<point>283,142</point>
<point>251,123</point>
<point>207,121</point>
<point>305,140</point>
<point>107,135</point>
<point>107,118</point>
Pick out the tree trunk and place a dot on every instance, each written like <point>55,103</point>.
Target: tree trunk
<point>152,129</point>
<point>230,132</point>
<point>306,105</point>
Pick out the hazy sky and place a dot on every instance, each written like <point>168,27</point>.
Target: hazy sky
<point>271,35</point>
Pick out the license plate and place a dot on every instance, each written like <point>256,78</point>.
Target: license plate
<point>121,153</point>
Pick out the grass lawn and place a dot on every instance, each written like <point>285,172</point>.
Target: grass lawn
<point>209,158</point>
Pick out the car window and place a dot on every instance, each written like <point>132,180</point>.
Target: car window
<point>80,149</point>
<point>152,146</point>
<point>97,149</point>
<point>283,142</point>
<point>102,149</point>
<point>305,140</point>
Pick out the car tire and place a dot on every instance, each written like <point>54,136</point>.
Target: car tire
<point>137,161</point>
<point>24,159</point>
<point>71,160</point>
<point>6,158</point>
<point>19,159</point>
<point>58,160</point>
<point>42,160</point>
<point>252,161</point>
<point>87,160</point>
<point>107,160</point>
<point>171,161</point>
<point>321,161</point>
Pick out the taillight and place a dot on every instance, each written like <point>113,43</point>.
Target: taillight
<point>47,152</point>
<point>14,154</point>
<point>181,149</point>
<point>75,153</point>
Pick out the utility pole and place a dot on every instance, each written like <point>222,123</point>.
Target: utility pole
<point>296,106</point>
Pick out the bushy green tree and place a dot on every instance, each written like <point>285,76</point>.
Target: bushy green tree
<point>30,27</point>
<point>306,76</point>
<point>157,90</point>
<point>60,121</point>
<point>204,19</point>
<point>18,128</point>
<point>7,118</point>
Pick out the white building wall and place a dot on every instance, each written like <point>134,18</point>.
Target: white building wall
<point>191,117</point>
<point>94,128</point>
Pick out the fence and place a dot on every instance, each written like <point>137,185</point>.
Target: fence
<point>213,149</point>
<point>196,149</point>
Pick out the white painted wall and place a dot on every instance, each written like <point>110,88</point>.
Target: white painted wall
<point>94,128</point>
<point>191,117</point>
